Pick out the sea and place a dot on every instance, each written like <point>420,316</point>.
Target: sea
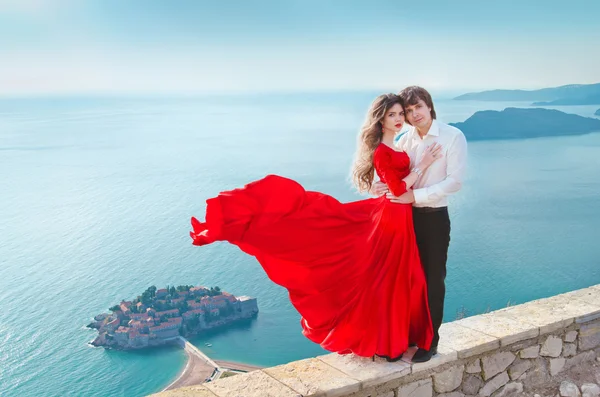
<point>97,194</point>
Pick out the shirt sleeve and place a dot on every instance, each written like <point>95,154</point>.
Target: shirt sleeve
<point>387,172</point>
<point>455,171</point>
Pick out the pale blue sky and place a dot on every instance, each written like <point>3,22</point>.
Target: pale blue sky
<point>67,46</point>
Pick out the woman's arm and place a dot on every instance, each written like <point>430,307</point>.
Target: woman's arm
<point>396,185</point>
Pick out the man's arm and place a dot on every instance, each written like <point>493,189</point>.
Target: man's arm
<point>455,172</point>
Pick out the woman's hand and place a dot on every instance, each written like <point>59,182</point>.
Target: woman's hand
<point>379,189</point>
<point>432,153</point>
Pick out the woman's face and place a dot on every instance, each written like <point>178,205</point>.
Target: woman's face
<point>393,120</point>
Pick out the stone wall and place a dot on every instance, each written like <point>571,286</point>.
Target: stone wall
<point>509,352</point>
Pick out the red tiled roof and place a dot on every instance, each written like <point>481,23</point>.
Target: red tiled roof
<point>163,327</point>
<point>167,312</point>
<point>190,313</point>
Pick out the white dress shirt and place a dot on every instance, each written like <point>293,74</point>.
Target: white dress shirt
<point>445,176</point>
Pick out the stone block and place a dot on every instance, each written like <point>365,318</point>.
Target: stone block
<point>590,296</point>
<point>466,341</point>
<point>496,363</point>
<point>549,314</point>
<point>312,377</point>
<point>518,368</point>
<point>590,390</point>
<point>538,375</point>
<point>422,388</point>
<point>252,384</point>
<point>552,347</point>
<point>473,367</point>
<point>472,384</point>
<point>568,389</point>
<point>448,380</point>
<point>494,384</point>
<point>569,349</point>
<point>557,365</point>
<point>570,336</point>
<point>513,389</point>
<point>589,336</point>
<point>365,370</point>
<point>508,330</point>
<point>585,357</point>
<point>530,352</point>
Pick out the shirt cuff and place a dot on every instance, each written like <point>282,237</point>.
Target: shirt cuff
<point>421,195</point>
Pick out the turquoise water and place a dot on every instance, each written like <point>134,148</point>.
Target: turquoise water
<point>97,195</point>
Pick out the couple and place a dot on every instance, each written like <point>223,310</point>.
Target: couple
<point>367,277</point>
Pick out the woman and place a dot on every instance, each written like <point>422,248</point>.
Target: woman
<point>352,269</point>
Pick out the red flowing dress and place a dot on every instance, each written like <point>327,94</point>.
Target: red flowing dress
<point>352,270</point>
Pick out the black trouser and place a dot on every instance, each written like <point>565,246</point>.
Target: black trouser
<point>432,229</point>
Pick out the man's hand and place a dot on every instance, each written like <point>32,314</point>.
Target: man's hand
<point>406,198</point>
<point>379,188</point>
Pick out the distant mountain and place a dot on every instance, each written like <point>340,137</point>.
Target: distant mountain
<point>516,123</point>
<point>588,100</point>
<point>597,112</point>
<point>574,94</point>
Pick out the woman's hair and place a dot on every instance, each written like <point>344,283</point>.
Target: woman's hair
<point>371,133</point>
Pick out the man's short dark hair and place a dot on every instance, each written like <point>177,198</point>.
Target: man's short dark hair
<point>411,95</point>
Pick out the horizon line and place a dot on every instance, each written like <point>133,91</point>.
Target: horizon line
<point>225,92</point>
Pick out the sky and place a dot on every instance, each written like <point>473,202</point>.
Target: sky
<point>213,46</point>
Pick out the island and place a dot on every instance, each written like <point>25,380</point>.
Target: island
<point>571,101</point>
<point>162,316</point>
<point>573,94</point>
<point>518,123</point>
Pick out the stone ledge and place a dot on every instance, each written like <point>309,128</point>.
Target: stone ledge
<point>366,371</point>
<point>255,383</point>
<point>462,341</point>
<point>313,377</point>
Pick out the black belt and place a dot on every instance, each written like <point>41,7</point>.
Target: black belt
<point>426,210</point>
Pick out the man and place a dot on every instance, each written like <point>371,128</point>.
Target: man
<point>430,196</point>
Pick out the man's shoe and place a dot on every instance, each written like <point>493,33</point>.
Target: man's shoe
<point>423,355</point>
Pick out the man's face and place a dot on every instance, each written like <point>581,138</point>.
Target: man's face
<point>419,114</point>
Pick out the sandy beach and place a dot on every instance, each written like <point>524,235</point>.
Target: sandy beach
<point>198,369</point>
<point>195,372</point>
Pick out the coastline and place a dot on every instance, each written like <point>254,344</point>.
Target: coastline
<point>195,372</point>
<point>197,369</point>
